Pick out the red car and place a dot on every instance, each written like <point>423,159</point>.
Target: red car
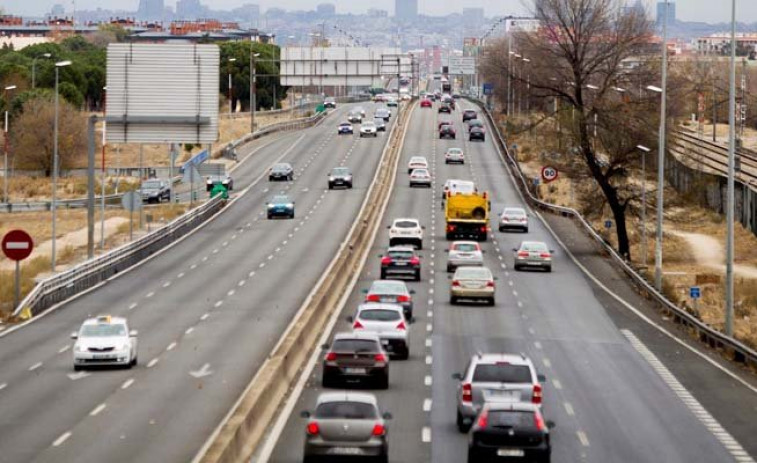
<point>441,123</point>
<point>425,103</point>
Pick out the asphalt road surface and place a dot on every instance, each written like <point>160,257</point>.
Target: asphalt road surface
<point>610,396</point>
<point>208,312</point>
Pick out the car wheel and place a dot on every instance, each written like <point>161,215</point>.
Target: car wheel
<point>310,459</point>
<point>77,368</point>
<point>349,186</point>
<point>525,230</point>
<point>461,425</point>
<point>450,268</point>
<point>328,382</point>
<point>549,269</point>
<point>492,302</point>
<point>501,229</point>
<point>270,179</point>
<point>383,381</point>
<point>291,216</point>
<point>453,300</point>
<point>446,162</point>
<point>418,275</point>
<point>516,267</point>
<point>473,456</point>
<point>331,187</point>
<point>269,216</point>
<point>383,275</point>
<point>404,353</point>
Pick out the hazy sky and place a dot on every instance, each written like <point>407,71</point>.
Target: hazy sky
<point>687,10</point>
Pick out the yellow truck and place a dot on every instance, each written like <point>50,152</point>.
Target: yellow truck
<point>467,215</point>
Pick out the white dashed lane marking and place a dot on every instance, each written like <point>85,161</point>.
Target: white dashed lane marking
<point>63,438</point>
<point>64,348</point>
<point>97,410</point>
<point>35,366</point>
<point>427,405</point>
<point>171,346</point>
<point>127,383</point>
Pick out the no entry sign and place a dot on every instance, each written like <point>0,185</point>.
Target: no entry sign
<point>17,245</point>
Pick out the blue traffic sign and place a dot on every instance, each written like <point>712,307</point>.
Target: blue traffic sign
<point>608,223</point>
<point>695,292</point>
<point>488,89</point>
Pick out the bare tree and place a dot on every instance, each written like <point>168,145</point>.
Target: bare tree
<point>577,64</point>
<point>32,136</point>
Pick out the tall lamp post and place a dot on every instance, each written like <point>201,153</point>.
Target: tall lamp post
<point>731,173</point>
<point>231,60</point>
<point>34,68</point>
<point>58,65</point>
<point>661,153</point>
<point>644,150</point>
<point>5,138</point>
<point>253,89</point>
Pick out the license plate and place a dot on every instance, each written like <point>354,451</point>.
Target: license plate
<point>355,371</point>
<point>103,356</point>
<point>509,395</point>
<point>346,451</point>
<point>387,299</point>
<point>384,342</point>
<point>510,453</point>
<point>400,264</point>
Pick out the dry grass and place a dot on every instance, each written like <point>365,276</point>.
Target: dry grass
<point>32,189</point>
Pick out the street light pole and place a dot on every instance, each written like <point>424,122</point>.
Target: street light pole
<point>510,54</point>
<point>58,65</point>
<point>644,150</point>
<point>6,141</point>
<point>231,60</point>
<point>661,153</point>
<point>253,89</point>
<point>731,174</point>
<point>34,69</point>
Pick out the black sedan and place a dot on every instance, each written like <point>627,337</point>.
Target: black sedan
<point>510,431</point>
<point>477,133</point>
<point>281,171</point>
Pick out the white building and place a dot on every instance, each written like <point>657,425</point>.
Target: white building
<point>716,43</point>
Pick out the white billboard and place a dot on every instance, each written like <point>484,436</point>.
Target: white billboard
<point>462,66</point>
<point>162,93</point>
<point>330,66</point>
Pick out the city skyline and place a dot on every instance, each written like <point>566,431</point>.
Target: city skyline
<point>688,10</point>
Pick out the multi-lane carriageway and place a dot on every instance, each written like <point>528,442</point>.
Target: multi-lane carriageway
<point>210,308</point>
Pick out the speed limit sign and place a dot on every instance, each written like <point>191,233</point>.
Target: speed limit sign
<point>548,174</point>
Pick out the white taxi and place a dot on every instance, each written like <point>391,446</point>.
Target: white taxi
<point>104,340</point>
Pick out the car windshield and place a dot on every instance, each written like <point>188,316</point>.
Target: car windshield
<point>346,410</point>
<point>406,223</point>
<point>510,419</point>
<point>281,167</point>
<point>420,172</point>
<point>355,345</point>
<point>477,129</point>
<point>533,247</point>
<point>378,121</point>
<point>380,315</point>
<point>280,199</point>
<point>400,253</point>
<point>151,184</point>
<point>416,160</point>
<point>388,287</point>
<point>329,100</point>
<point>473,273</point>
<point>102,330</point>
<point>502,373</point>
<point>475,123</point>
<point>340,171</point>
<point>515,212</point>
<point>345,124</point>
<point>465,247</point>
<point>369,124</point>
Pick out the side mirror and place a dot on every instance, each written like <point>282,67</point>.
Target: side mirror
<point>305,414</point>
<point>381,255</point>
<point>325,346</point>
<point>412,320</point>
<point>349,318</point>
<point>483,251</point>
<point>551,251</point>
<point>387,416</point>
<point>447,251</point>
<point>412,291</point>
<point>457,376</point>
<point>423,227</point>
<point>364,291</point>
<point>74,335</point>
<point>133,333</point>
<point>388,227</point>
<point>496,278</point>
<point>515,250</point>
<point>551,425</point>
<point>541,378</point>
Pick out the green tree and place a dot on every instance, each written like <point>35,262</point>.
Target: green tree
<point>266,69</point>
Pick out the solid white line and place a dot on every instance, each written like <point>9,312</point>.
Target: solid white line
<point>583,438</point>
<point>97,410</point>
<point>153,362</point>
<point>429,342</point>
<point>3,386</point>
<point>218,304</point>
<point>35,366</point>
<point>537,344</point>
<point>426,434</point>
<point>63,438</point>
<point>127,383</point>
<point>171,346</point>
<point>150,294</point>
<point>427,405</point>
<point>132,305</point>
<point>64,348</point>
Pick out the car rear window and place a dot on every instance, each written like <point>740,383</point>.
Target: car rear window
<point>103,330</point>
<point>388,287</point>
<point>477,273</point>
<point>340,171</point>
<point>355,345</point>
<point>348,410</point>
<point>515,212</point>
<point>400,254</point>
<point>379,315</point>
<point>420,172</point>
<point>151,184</point>
<point>406,224</point>
<point>454,151</point>
<point>466,247</point>
<point>502,373</point>
<point>536,247</point>
<point>511,419</point>
<point>463,187</point>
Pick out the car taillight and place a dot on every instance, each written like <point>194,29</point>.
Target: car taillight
<point>403,298</point>
<point>537,394</point>
<point>313,428</point>
<point>378,430</point>
<point>489,284</point>
<point>482,419</point>
<point>455,283</point>
<point>386,260</point>
<point>379,358</point>
<point>484,228</point>
<point>523,254</point>
<point>539,421</point>
<point>450,228</point>
<point>401,326</point>
<point>373,298</point>
<point>467,392</point>
<point>330,357</point>
<point>545,255</point>
<point>357,325</point>
<point>415,261</point>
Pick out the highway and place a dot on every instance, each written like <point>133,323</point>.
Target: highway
<point>208,312</point>
<point>611,397</point>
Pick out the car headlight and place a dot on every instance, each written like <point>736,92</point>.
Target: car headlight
<point>209,182</point>
<point>80,348</point>
<point>331,178</point>
<point>270,206</point>
<point>290,205</point>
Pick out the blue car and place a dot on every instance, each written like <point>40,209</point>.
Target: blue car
<point>280,206</point>
<point>344,127</point>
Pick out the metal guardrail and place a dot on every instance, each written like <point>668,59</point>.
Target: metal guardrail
<point>310,105</point>
<point>715,339</point>
<point>66,284</point>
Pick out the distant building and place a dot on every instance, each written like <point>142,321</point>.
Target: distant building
<point>376,13</point>
<point>637,7</point>
<point>717,44</point>
<point>189,9</point>
<point>57,10</point>
<point>406,10</point>
<point>527,25</point>
<point>249,13</point>
<point>325,9</point>
<point>150,9</point>
<point>661,13</point>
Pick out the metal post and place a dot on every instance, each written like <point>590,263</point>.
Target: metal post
<point>17,292</point>
<point>399,102</point>
<point>661,154</point>
<point>714,111</point>
<point>141,180</point>
<point>91,186</point>
<point>55,169</point>
<point>5,161</point>
<point>253,93</point>
<point>731,173</point>
<point>172,156</point>
<point>509,72</point>
<point>644,250</point>
<point>230,110</point>
<point>102,178</point>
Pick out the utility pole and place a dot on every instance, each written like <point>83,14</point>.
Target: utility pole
<point>731,173</point>
<point>6,143</point>
<point>661,153</point>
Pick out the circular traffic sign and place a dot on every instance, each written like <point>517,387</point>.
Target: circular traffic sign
<point>548,174</point>
<point>17,245</point>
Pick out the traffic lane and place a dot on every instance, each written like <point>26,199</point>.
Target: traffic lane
<point>581,343</point>
<point>407,388</point>
<point>149,295</point>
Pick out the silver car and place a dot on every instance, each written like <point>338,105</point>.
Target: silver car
<point>495,377</point>
<point>388,322</point>
<point>454,155</point>
<point>420,177</point>
<point>513,218</point>
<point>104,340</point>
<point>346,424</point>
<point>532,254</point>
<point>472,283</point>
<point>464,253</point>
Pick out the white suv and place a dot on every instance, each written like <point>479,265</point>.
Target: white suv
<point>406,231</point>
<point>104,340</point>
